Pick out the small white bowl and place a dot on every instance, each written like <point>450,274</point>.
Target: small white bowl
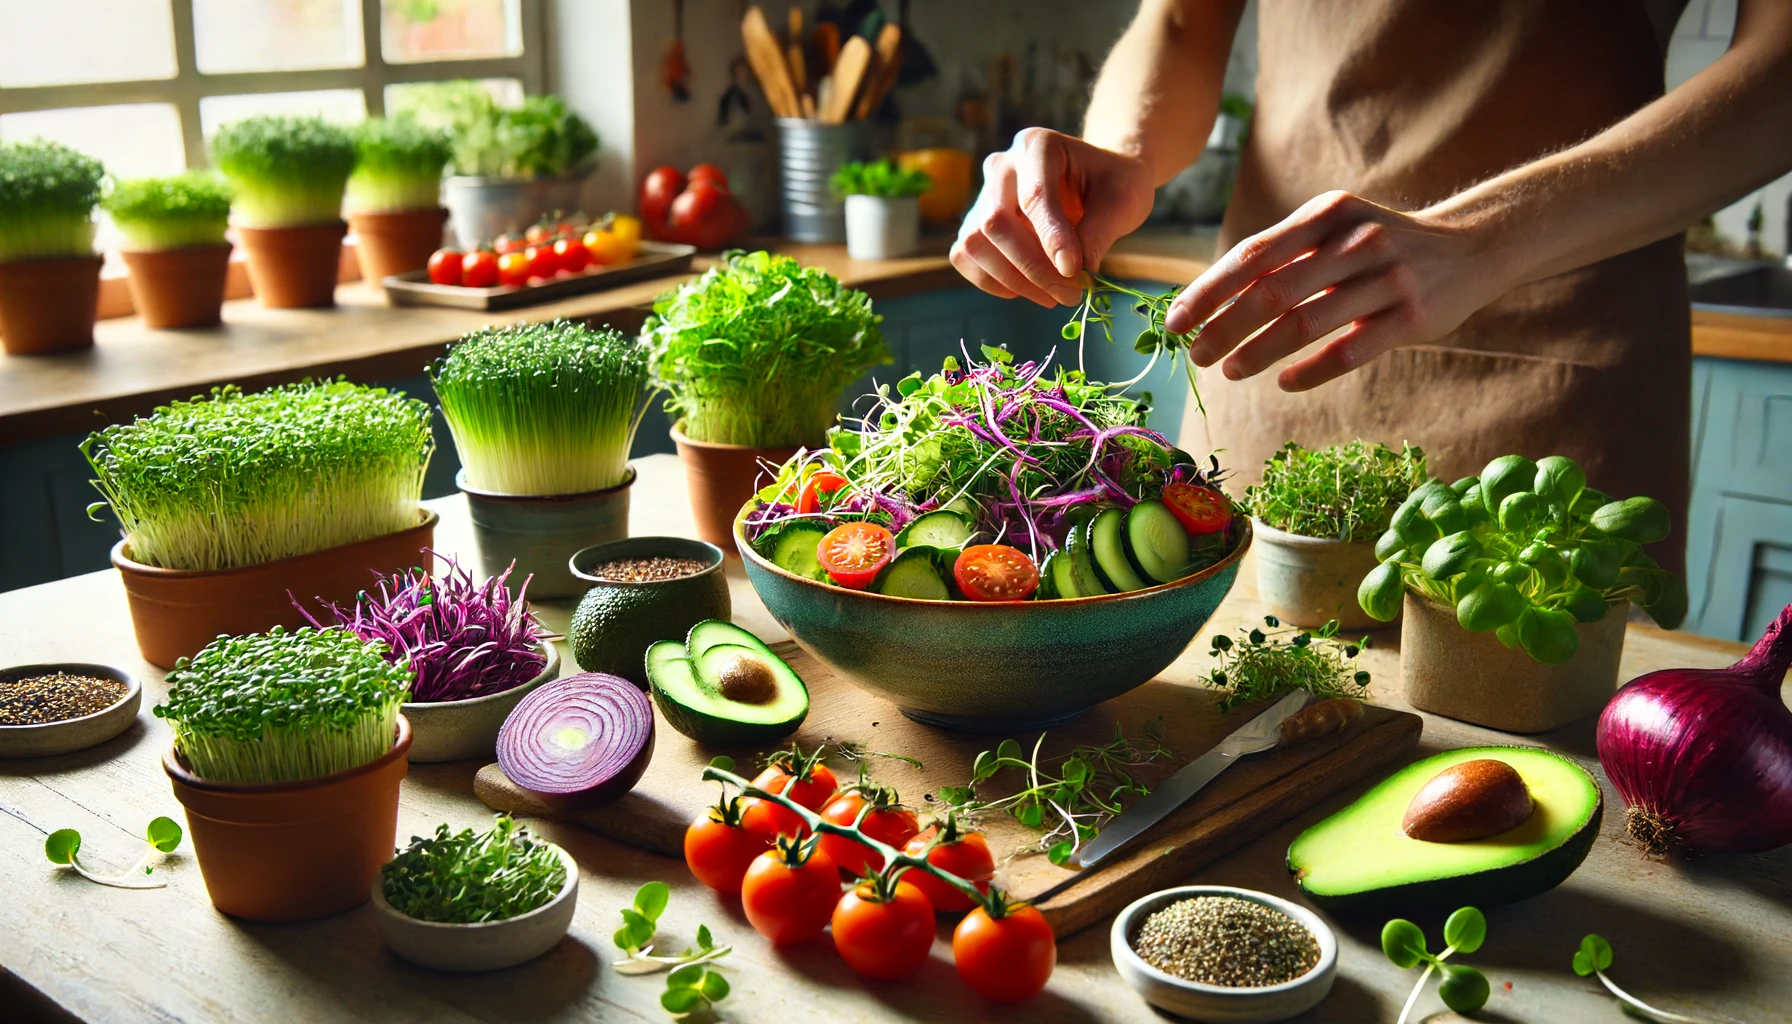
<point>461,730</point>
<point>480,947</point>
<point>1219,1003</point>
<point>72,734</point>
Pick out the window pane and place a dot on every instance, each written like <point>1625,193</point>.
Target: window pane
<point>133,140</point>
<point>343,106</point>
<point>419,30</point>
<point>276,35</point>
<point>416,97</point>
<point>67,41</point>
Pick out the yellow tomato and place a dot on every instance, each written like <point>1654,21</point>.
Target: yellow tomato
<point>605,247</point>
<point>627,230</point>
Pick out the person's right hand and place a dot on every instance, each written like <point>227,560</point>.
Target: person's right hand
<point>1020,240</point>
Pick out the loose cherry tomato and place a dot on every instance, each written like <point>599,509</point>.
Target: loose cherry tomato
<point>1199,509</point>
<point>718,849</point>
<point>1007,959</point>
<point>710,173</point>
<point>887,822</point>
<point>605,247</point>
<point>884,934</point>
<point>513,270</point>
<point>658,189</point>
<point>571,255</point>
<point>821,483</point>
<point>444,266</point>
<point>814,787</point>
<point>965,854</point>
<point>479,269</point>
<point>995,572</point>
<point>541,261</point>
<point>790,891</point>
<point>508,243</point>
<point>853,553</point>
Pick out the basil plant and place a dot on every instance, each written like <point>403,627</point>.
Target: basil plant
<point>1525,550</point>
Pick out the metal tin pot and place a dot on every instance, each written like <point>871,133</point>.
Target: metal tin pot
<point>540,532</point>
<point>809,153</point>
<point>481,209</point>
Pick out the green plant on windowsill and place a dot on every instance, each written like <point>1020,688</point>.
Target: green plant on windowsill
<point>47,196</point>
<point>1345,492</point>
<point>287,171</point>
<point>881,179</point>
<point>177,212</point>
<point>398,166</point>
<point>539,139</point>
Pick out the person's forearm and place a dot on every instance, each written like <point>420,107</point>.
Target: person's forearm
<point>1159,89</point>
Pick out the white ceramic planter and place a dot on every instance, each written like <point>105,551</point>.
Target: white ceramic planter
<point>480,947</point>
<point>879,229</point>
<point>460,730</point>
<point>1218,1002</point>
<point>72,734</point>
<point>1306,581</point>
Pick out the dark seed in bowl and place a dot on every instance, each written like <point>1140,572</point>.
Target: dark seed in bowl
<point>1224,940</point>
<point>647,570</point>
<point>56,697</point>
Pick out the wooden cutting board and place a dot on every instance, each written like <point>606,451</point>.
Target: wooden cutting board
<point>1250,798</point>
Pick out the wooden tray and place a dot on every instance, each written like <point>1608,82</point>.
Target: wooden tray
<point>1249,799</point>
<point>654,259</point>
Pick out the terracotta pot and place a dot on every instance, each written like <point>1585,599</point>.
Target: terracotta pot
<point>294,268</point>
<point>175,612</point>
<point>721,477</point>
<point>541,532</point>
<point>179,287</point>
<point>294,851</point>
<point>49,305</point>
<point>1307,581</point>
<point>1449,671</point>
<point>394,243</point>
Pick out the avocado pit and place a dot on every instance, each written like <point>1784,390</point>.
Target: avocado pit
<point>1468,801</point>
<point>746,680</point>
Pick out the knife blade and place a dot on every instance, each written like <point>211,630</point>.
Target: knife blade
<point>1258,734</point>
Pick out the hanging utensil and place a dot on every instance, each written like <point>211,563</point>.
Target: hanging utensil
<point>675,69</point>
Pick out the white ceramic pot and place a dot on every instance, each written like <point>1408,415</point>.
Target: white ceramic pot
<point>480,947</point>
<point>1305,581</point>
<point>1218,1002</point>
<point>879,229</point>
<point>71,734</point>
<point>460,730</point>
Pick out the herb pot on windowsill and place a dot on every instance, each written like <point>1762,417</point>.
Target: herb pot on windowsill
<point>294,267</point>
<point>881,228</point>
<point>396,242</point>
<point>179,287</point>
<point>293,851</point>
<point>486,946</point>
<point>721,477</point>
<point>49,305</point>
<point>1472,677</point>
<point>460,730</point>
<point>617,620</point>
<point>540,533</point>
<point>1307,581</point>
<point>484,208</point>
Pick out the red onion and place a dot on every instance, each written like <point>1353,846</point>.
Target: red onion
<point>1703,757</point>
<point>578,742</point>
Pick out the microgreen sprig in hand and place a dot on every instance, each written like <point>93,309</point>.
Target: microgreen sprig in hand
<point>1463,989</point>
<point>1262,665</point>
<point>63,847</point>
<point>1154,340</point>
<point>1594,957</point>
<point>635,938</point>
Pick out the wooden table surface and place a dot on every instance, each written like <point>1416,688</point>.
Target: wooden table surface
<point>1712,938</point>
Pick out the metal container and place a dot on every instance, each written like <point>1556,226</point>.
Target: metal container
<point>542,532</point>
<point>809,153</point>
<point>481,209</point>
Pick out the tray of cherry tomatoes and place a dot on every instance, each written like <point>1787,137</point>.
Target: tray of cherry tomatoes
<point>554,259</point>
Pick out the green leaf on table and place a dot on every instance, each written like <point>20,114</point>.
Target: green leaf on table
<point>62,845</point>
<point>651,900</point>
<point>1403,942</point>
<point>704,940</point>
<point>722,761</point>
<point>1463,989</point>
<point>1465,930</point>
<point>1008,749</point>
<point>1061,851</point>
<point>685,977</point>
<point>714,987</point>
<point>1595,954</point>
<point>680,1000</point>
<point>163,834</point>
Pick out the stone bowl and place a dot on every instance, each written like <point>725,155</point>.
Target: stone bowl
<point>71,734</point>
<point>460,730</point>
<point>480,947</point>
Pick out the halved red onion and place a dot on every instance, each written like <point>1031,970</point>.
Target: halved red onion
<point>578,742</point>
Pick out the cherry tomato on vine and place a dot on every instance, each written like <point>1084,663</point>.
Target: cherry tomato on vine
<point>965,854</point>
<point>508,243</point>
<point>886,823</point>
<point>995,572</point>
<point>444,266</point>
<point>884,934</point>
<point>814,787</point>
<point>539,234</point>
<point>571,255</point>
<point>479,269</point>
<point>513,270</point>
<point>853,553</point>
<point>1007,959</point>
<point>1199,509</point>
<point>822,483</point>
<point>541,261</point>
<point>718,849</point>
<point>790,891</point>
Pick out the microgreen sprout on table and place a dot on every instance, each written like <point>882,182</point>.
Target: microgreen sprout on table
<point>1463,989</point>
<point>1594,957</point>
<point>1264,665</point>
<point>163,835</point>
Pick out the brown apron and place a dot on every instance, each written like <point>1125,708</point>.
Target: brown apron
<point>1406,102</point>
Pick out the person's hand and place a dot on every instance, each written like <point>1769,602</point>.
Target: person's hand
<point>1396,279</point>
<point>1019,239</point>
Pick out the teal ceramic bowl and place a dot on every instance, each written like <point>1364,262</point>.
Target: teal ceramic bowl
<point>998,666</point>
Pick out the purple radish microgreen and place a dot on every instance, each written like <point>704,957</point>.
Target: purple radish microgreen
<point>1594,958</point>
<point>63,847</point>
<point>1463,989</point>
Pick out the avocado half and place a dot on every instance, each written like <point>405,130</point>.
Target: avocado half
<point>1358,860</point>
<point>724,688</point>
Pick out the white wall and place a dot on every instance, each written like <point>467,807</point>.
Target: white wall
<point>588,63</point>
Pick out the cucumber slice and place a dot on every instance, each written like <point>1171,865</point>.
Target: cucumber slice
<point>1107,543</point>
<point>939,529</point>
<point>1063,575</point>
<point>1048,586</point>
<point>1082,563</point>
<point>914,572</point>
<point>1156,541</point>
<point>794,550</point>
<point>961,505</point>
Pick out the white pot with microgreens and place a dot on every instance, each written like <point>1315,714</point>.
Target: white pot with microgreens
<point>289,174</point>
<point>543,416</point>
<point>234,504</point>
<point>174,245</point>
<point>883,209</point>
<point>395,195</point>
<point>476,901</point>
<point>288,752</point>
<point>1316,517</point>
<point>49,275</point>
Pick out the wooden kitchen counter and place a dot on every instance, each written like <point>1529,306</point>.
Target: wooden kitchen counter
<point>1710,938</point>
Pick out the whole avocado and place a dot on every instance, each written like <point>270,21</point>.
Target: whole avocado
<point>614,626</point>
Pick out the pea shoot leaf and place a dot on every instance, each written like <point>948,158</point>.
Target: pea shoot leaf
<point>714,987</point>
<point>680,1000</point>
<point>651,900</point>
<point>1403,943</point>
<point>163,834</point>
<point>62,845</point>
<point>1595,954</point>
<point>1465,929</point>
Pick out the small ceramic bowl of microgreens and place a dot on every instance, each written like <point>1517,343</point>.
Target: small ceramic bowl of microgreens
<point>1217,953</point>
<point>476,901</point>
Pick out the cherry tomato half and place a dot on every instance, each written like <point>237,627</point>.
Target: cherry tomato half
<point>790,892</point>
<point>513,270</point>
<point>891,824</point>
<point>479,269</point>
<point>1199,509</point>
<point>822,483</point>
<point>884,938</point>
<point>853,553</point>
<point>541,261</point>
<point>571,255</point>
<point>1006,959</point>
<point>966,855</point>
<point>718,850</point>
<point>995,572</point>
<point>444,266</point>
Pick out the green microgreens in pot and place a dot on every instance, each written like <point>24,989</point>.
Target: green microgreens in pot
<point>1154,340</point>
<point>47,195</point>
<point>470,877</point>
<point>177,212</point>
<point>287,171</point>
<point>240,479</point>
<point>284,705</point>
<point>880,178</point>
<point>541,409</point>
<point>1345,492</point>
<point>1463,989</point>
<point>163,835</point>
<point>398,166</point>
<point>1594,958</point>
<point>756,351</point>
<point>635,937</point>
<point>1264,665</point>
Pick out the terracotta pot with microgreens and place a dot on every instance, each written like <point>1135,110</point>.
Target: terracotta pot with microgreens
<point>235,504</point>
<point>288,753</point>
<point>754,356</point>
<point>289,174</point>
<point>1316,516</point>
<point>49,275</point>
<point>883,208</point>
<point>543,416</point>
<point>174,245</point>
<point>394,196</point>
<point>1516,585</point>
